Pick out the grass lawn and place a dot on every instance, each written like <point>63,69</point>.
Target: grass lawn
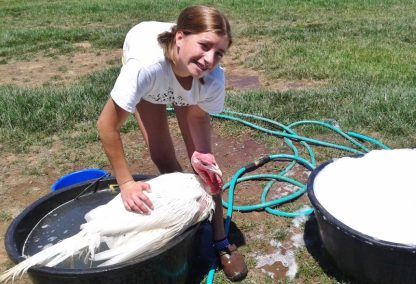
<point>354,61</point>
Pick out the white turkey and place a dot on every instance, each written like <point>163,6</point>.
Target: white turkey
<point>180,200</point>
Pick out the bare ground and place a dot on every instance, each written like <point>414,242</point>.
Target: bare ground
<point>24,178</point>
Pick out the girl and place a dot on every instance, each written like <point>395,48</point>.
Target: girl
<point>176,64</point>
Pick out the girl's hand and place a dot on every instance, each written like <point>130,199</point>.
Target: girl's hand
<point>134,198</point>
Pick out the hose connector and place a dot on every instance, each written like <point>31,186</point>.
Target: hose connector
<point>256,164</point>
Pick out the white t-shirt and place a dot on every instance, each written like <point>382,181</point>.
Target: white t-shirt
<point>148,75</point>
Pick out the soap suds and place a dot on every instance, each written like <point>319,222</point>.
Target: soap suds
<point>374,194</point>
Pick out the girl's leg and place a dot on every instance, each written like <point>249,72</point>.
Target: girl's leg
<point>141,127</point>
<point>182,117</point>
<point>153,123</point>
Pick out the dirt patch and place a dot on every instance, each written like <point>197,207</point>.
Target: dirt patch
<point>67,69</point>
<point>57,70</point>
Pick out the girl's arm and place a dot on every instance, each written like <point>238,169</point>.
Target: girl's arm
<point>202,158</point>
<point>109,123</point>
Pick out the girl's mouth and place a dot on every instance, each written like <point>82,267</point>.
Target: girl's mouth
<point>202,67</point>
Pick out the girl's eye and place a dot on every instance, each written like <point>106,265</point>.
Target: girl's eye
<point>219,54</point>
<point>204,46</point>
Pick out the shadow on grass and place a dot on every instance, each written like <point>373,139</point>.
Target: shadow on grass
<point>317,251</point>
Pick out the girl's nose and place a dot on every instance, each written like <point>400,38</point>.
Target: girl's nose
<point>210,57</point>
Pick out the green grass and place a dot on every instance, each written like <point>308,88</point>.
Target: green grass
<point>32,113</point>
<point>360,54</point>
<point>361,50</point>
<point>363,109</point>
<point>5,216</point>
<point>53,27</point>
<point>334,40</point>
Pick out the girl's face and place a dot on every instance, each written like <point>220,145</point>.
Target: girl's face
<point>199,53</point>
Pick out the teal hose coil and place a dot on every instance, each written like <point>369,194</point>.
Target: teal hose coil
<point>288,134</point>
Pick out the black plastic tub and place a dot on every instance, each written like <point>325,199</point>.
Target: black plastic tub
<point>167,265</point>
<point>366,259</point>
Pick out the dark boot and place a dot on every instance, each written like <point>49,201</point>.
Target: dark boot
<point>233,264</point>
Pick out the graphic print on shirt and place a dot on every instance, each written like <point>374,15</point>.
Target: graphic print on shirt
<point>168,97</point>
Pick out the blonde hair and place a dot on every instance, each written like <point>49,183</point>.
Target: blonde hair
<point>194,20</point>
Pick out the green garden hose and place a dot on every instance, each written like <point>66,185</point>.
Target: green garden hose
<point>289,136</point>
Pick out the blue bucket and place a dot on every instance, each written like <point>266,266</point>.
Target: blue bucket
<point>78,177</point>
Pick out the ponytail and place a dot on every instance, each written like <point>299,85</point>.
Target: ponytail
<point>167,41</point>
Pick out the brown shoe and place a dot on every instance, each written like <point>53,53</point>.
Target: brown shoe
<point>233,264</point>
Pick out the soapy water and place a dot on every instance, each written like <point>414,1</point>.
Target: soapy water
<point>374,194</point>
<point>63,222</point>
<point>285,257</point>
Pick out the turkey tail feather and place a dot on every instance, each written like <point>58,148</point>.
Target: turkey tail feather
<point>52,255</point>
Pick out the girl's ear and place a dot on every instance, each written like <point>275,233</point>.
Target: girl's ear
<point>179,36</point>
